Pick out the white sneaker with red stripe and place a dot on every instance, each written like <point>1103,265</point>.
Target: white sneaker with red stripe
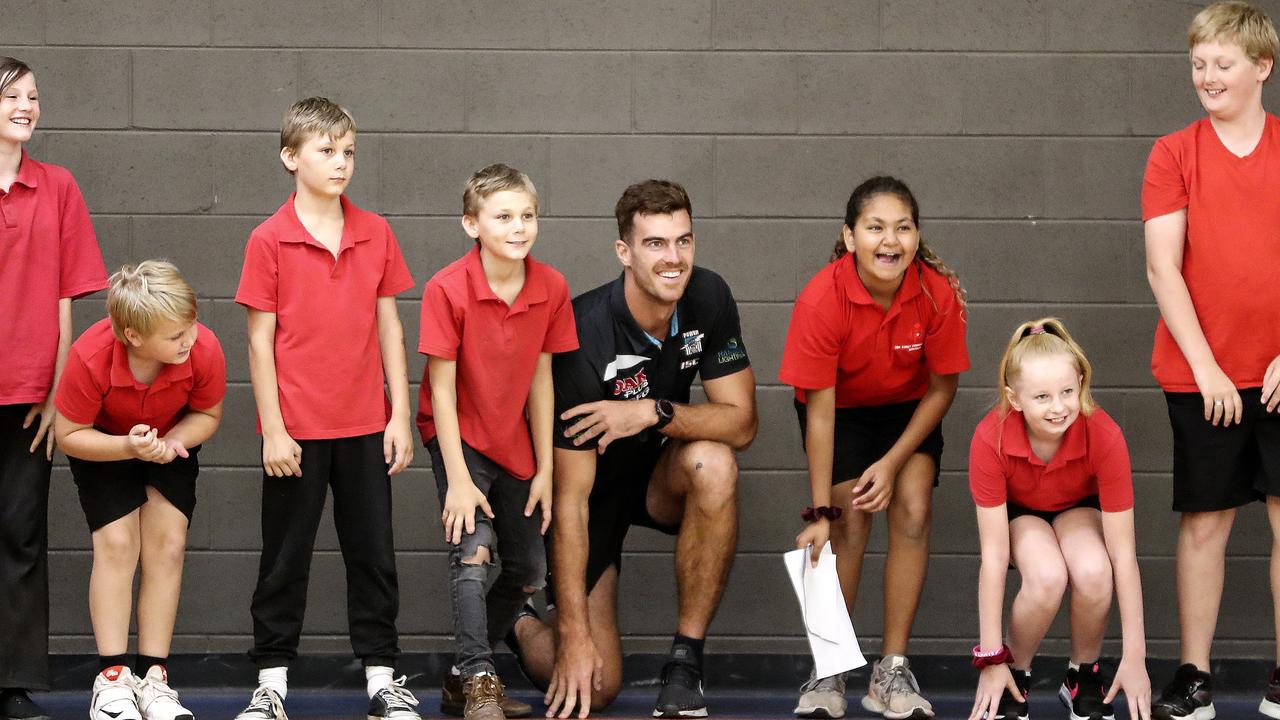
<point>114,695</point>
<point>157,700</point>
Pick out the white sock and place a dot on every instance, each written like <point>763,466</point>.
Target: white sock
<point>1073,666</point>
<point>377,677</point>
<point>275,678</point>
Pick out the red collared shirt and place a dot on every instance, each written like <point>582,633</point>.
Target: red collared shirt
<point>97,388</point>
<point>328,358</point>
<point>1092,460</point>
<point>1231,255</point>
<point>47,252</point>
<point>496,348</point>
<point>839,336</point>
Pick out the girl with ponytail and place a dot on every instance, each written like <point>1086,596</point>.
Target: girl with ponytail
<point>875,349</point>
<point>1049,472</point>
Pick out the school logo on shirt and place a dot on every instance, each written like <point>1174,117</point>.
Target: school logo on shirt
<point>914,342</point>
<point>732,351</point>
<point>634,387</point>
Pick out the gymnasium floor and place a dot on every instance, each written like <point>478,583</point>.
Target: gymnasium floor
<point>637,703</point>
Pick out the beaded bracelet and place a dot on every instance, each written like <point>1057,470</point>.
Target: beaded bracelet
<point>811,514</point>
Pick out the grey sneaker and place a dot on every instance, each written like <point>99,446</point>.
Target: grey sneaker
<point>894,692</point>
<point>822,697</point>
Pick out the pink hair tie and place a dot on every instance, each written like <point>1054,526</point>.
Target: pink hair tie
<point>1037,330</point>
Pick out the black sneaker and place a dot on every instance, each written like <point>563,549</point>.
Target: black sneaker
<point>1271,701</point>
<point>513,644</point>
<point>681,694</point>
<point>1009,707</point>
<point>16,704</point>
<point>1188,696</point>
<point>1082,692</point>
<point>394,702</point>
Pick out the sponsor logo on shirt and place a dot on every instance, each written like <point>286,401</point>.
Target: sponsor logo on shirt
<point>689,363</point>
<point>634,387</point>
<point>692,344</point>
<point>732,351</point>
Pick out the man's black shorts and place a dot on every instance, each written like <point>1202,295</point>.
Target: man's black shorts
<point>618,501</point>
<point>1219,468</point>
<point>111,490</point>
<point>864,434</point>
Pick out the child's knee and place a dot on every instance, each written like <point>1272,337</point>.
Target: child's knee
<point>477,556</point>
<point>168,548</point>
<point>116,545</point>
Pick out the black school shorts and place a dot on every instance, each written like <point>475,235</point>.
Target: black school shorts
<point>111,490</point>
<point>1217,468</point>
<point>864,434</point>
<point>1016,511</point>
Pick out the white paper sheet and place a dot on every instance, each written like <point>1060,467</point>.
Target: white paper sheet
<point>831,637</point>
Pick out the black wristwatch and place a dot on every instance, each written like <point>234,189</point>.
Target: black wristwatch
<point>666,412</point>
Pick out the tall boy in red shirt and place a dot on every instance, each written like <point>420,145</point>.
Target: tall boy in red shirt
<point>1213,260</point>
<point>319,282</point>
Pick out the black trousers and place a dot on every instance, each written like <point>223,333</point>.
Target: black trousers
<point>24,562</point>
<point>291,508</point>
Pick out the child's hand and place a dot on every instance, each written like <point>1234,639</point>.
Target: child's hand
<point>281,456</point>
<point>173,448</point>
<point>1270,380</point>
<point>144,445</point>
<point>992,682</point>
<point>44,431</point>
<point>815,536</point>
<point>1221,400</point>
<point>540,494</point>
<point>460,504</point>
<point>1132,677</point>
<point>397,445</point>
<point>874,489</point>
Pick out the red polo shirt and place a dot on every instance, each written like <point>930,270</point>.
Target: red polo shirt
<point>840,337</point>
<point>47,252</point>
<point>1092,460</point>
<point>328,359</point>
<point>97,388</point>
<point>1231,257</point>
<point>496,348</point>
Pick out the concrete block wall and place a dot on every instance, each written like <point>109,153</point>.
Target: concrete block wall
<point>1023,127</point>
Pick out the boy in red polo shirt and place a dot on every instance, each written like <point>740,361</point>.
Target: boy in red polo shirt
<point>1213,261</point>
<point>142,389</point>
<point>319,282</point>
<point>490,323</point>
<point>48,256</point>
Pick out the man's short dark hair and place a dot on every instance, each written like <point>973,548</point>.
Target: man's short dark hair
<point>651,197</point>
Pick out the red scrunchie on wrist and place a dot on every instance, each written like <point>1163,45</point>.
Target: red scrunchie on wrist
<point>811,514</point>
<point>987,658</point>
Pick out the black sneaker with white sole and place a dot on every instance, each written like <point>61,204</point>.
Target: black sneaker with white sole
<point>1271,701</point>
<point>264,705</point>
<point>681,694</point>
<point>1083,691</point>
<point>1189,696</point>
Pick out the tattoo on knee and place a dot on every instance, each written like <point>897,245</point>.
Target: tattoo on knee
<point>697,466</point>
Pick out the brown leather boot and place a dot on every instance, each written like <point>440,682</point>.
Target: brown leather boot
<point>453,699</point>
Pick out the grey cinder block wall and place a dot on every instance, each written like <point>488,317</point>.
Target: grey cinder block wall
<point>1023,126</point>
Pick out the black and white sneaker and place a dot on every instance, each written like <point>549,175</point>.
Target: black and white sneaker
<point>1271,701</point>
<point>681,694</point>
<point>264,705</point>
<point>394,702</point>
<point>114,695</point>
<point>1082,692</point>
<point>1189,696</point>
<point>1010,708</point>
<point>16,704</point>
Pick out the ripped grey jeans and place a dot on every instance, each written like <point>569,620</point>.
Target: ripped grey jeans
<point>481,619</point>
